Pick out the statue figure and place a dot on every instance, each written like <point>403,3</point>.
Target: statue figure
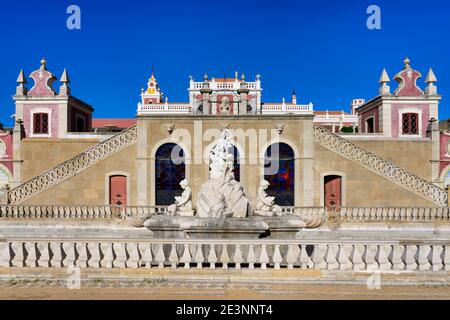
<point>265,205</point>
<point>183,204</point>
<point>222,196</point>
<point>225,106</point>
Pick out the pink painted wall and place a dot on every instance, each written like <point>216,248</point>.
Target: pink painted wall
<point>373,112</point>
<point>444,147</point>
<point>54,118</point>
<point>396,120</point>
<point>6,137</point>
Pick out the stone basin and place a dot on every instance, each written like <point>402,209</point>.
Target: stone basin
<point>252,227</point>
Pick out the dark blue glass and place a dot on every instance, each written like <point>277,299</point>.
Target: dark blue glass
<point>170,170</point>
<point>282,185</point>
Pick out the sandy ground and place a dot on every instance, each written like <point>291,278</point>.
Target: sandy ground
<point>306,292</point>
<point>193,284</point>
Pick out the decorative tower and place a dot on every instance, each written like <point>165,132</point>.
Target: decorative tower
<point>153,93</point>
<point>294,97</point>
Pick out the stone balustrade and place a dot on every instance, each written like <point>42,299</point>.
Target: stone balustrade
<point>419,214</point>
<point>229,253</point>
<point>76,211</point>
<point>344,214</point>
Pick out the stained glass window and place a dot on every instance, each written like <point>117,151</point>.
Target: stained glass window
<point>170,171</point>
<point>236,163</point>
<point>279,171</point>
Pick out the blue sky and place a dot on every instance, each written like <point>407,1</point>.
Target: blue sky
<point>322,49</point>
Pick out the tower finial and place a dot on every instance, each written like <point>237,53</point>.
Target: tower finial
<point>21,80</point>
<point>407,62</point>
<point>64,90</point>
<point>384,79</point>
<point>431,79</point>
<point>43,64</point>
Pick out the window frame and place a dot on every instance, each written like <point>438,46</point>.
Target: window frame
<point>49,124</point>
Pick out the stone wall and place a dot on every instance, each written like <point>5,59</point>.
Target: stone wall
<point>40,154</point>
<point>91,186</point>
<point>361,186</point>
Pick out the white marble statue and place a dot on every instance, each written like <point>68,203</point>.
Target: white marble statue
<point>183,204</point>
<point>222,196</point>
<point>265,205</point>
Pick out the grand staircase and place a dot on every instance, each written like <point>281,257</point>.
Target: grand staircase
<point>380,166</point>
<point>73,166</point>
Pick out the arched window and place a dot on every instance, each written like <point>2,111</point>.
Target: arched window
<point>169,172</point>
<point>236,162</point>
<point>279,171</point>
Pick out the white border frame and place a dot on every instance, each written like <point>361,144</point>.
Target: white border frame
<point>401,111</point>
<point>108,176</point>
<point>40,110</point>
<point>343,186</point>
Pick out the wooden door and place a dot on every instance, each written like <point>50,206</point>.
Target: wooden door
<point>118,190</point>
<point>333,191</point>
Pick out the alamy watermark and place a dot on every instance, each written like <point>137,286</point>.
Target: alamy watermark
<point>374,20</point>
<point>73,21</point>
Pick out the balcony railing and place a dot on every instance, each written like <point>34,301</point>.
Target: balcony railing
<point>344,255</point>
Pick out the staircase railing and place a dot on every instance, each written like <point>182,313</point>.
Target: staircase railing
<point>380,166</point>
<point>72,166</point>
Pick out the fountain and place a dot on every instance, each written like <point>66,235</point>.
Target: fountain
<point>223,209</point>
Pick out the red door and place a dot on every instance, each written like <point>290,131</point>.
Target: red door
<point>333,186</point>
<point>118,190</point>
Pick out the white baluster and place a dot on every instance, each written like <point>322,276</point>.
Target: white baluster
<point>332,263</point>
<point>186,258</point>
<point>397,257</point>
<point>345,250</point>
<point>108,255</point>
<point>263,257</point>
<point>69,250</point>
<point>31,260</point>
<point>94,252</point>
<point>357,257</point>
<point>318,256</point>
<point>436,259</point>
<point>447,258</point>
<point>19,256</point>
<point>371,252</point>
<point>82,255</point>
<point>120,255</point>
<point>277,258</point>
<point>173,256</point>
<point>133,255</point>
<point>251,257</point>
<point>383,257</point>
<point>424,253</point>
<point>199,259</point>
<point>160,258</point>
<point>292,255</point>
<point>212,257</point>
<point>146,254</point>
<point>305,260</point>
<point>237,259</point>
<point>5,255</point>
<point>411,251</point>
<point>56,260</point>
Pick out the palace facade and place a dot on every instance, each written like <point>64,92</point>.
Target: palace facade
<point>388,151</point>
